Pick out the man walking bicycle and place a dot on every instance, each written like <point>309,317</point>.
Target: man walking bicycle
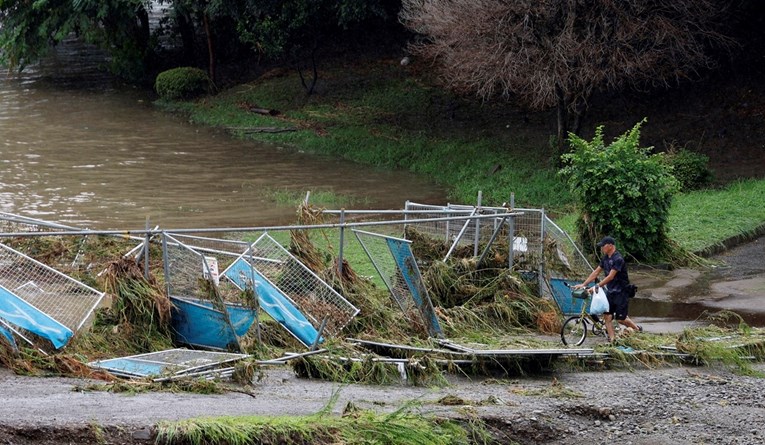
<point>616,281</point>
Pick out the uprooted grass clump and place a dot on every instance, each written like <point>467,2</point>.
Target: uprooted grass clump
<point>727,340</point>
<point>718,339</point>
<point>421,371</point>
<point>139,316</point>
<point>81,257</point>
<point>354,427</point>
<point>33,362</point>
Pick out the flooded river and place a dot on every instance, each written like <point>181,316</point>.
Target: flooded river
<point>78,149</point>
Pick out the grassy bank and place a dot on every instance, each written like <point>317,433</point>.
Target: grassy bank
<point>386,115</point>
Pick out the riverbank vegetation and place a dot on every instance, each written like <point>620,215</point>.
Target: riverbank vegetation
<point>381,114</point>
<point>422,114</point>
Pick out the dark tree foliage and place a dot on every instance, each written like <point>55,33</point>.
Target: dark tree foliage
<point>556,53</point>
<point>30,29</point>
<point>203,29</point>
<point>297,29</point>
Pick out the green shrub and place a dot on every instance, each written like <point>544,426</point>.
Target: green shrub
<point>691,169</point>
<point>623,190</point>
<point>182,83</point>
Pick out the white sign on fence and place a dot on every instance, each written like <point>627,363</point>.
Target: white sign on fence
<point>212,266</point>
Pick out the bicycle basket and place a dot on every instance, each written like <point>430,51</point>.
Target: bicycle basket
<point>582,294</point>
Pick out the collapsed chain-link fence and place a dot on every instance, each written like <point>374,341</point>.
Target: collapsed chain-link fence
<point>536,245</point>
<point>193,264</point>
<point>33,292</point>
<point>262,275</point>
<point>323,306</point>
<point>395,262</point>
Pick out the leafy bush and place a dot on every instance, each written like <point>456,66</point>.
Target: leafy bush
<point>691,169</point>
<point>623,191</point>
<point>182,83</point>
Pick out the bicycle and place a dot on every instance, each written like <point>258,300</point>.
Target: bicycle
<point>574,330</point>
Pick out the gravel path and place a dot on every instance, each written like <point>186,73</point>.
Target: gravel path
<point>678,405</point>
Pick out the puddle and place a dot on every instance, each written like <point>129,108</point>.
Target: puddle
<point>641,308</point>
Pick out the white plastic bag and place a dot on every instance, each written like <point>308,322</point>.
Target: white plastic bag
<point>599,302</point>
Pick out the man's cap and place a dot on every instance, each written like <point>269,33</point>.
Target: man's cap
<point>606,240</point>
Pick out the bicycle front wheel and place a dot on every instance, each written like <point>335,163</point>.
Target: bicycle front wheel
<point>574,331</point>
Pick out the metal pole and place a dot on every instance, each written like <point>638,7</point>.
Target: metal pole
<point>146,240</point>
<point>129,233</point>
<point>459,237</point>
<point>511,235</point>
<point>166,263</point>
<point>342,241</point>
<point>477,224</point>
<point>255,297</point>
<point>315,344</point>
<point>542,253</point>
<point>491,241</point>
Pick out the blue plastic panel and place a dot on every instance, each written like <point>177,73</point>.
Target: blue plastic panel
<point>402,254</point>
<point>274,302</point>
<point>18,312</point>
<point>198,323</point>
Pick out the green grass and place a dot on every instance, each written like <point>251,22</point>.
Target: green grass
<point>396,428</point>
<point>702,219</point>
<point>321,198</point>
<point>380,114</point>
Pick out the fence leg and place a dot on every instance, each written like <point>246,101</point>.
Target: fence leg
<point>477,224</point>
<point>342,242</point>
<point>146,240</point>
<point>315,344</point>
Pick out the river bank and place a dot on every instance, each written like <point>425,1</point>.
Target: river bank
<point>376,112</point>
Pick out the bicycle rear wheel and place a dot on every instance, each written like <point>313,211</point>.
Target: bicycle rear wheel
<point>574,331</point>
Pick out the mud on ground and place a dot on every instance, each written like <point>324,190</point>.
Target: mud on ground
<point>680,405</point>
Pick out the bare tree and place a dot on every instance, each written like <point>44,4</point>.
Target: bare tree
<point>549,53</point>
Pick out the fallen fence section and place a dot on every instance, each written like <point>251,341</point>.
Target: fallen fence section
<point>395,263</point>
<point>457,350</point>
<point>39,299</point>
<point>290,292</point>
<point>171,363</point>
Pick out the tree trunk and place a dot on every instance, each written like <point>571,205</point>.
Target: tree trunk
<point>309,88</point>
<point>210,48</point>
<point>562,121</point>
<point>144,32</point>
<point>580,111</point>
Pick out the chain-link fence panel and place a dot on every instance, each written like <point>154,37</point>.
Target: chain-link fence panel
<point>12,223</point>
<point>563,258</point>
<point>394,260</point>
<point>376,248</point>
<point>193,265</point>
<point>316,299</point>
<point>31,289</point>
